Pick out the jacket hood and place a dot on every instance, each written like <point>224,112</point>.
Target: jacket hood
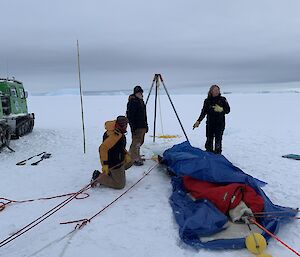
<point>131,97</point>
<point>110,125</point>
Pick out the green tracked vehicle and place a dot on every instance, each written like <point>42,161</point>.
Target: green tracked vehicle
<point>15,121</point>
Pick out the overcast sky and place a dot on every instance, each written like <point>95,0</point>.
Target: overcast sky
<point>124,42</point>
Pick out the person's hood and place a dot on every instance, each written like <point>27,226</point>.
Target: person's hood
<point>110,125</point>
<point>132,97</point>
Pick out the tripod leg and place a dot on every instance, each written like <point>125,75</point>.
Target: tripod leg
<point>151,88</point>
<point>173,108</point>
<point>155,107</point>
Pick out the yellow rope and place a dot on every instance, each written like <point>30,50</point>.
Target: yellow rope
<point>168,136</point>
<point>161,122</point>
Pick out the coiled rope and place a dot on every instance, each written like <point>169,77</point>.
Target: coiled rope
<point>4,202</point>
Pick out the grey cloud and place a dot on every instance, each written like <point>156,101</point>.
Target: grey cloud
<point>125,42</point>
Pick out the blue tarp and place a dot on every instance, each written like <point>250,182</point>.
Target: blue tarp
<point>201,218</point>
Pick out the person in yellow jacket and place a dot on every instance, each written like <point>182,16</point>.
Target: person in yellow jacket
<point>113,155</point>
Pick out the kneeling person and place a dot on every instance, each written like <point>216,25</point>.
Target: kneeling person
<point>113,155</point>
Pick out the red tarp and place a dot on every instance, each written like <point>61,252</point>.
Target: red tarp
<point>224,197</point>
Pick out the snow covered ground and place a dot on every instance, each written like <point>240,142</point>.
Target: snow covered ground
<point>260,128</point>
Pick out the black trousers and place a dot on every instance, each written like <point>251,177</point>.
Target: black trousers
<point>214,132</point>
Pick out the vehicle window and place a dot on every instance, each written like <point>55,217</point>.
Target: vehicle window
<point>13,92</point>
<point>21,93</point>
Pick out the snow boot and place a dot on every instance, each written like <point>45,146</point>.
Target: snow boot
<point>95,176</point>
<point>138,163</point>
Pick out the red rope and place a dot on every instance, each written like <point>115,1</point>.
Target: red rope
<point>58,207</point>
<point>85,221</point>
<point>272,235</point>
<point>5,201</point>
<point>43,217</point>
<point>276,217</point>
<point>292,211</point>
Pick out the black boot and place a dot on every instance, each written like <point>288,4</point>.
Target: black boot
<point>96,175</point>
<point>138,163</point>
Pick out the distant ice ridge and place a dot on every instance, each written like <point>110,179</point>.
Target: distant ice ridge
<point>293,87</point>
<point>64,91</point>
<point>109,92</point>
<point>290,87</point>
<point>75,91</point>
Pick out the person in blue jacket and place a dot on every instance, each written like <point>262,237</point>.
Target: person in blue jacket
<point>214,108</point>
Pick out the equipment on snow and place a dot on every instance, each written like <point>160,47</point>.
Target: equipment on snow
<point>200,222</point>
<point>273,236</point>
<point>24,161</point>
<point>225,197</point>
<point>256,243</point>
<point>158,80</point>
<point>44,156</point>
<point>292,156</point>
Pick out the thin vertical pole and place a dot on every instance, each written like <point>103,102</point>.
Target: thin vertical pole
<point>155,106</point>
<point>160,77</point>
<point>82,115</point>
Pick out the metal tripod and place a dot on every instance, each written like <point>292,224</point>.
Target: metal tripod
<point>157,80</point>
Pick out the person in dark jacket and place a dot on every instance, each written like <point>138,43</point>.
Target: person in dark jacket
<point>137,116</point>
<point>113,155</point>
<point>215,107</point>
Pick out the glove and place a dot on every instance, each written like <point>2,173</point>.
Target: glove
<point>196,125</point>
<point>105,169</point>
<point>127,158</point>
<point>218,108</point>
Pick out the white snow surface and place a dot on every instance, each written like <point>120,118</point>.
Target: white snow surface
<point>259,130</point>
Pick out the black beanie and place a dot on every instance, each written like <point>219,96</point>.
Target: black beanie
<point>137,89</point>
<point>122,120</point>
